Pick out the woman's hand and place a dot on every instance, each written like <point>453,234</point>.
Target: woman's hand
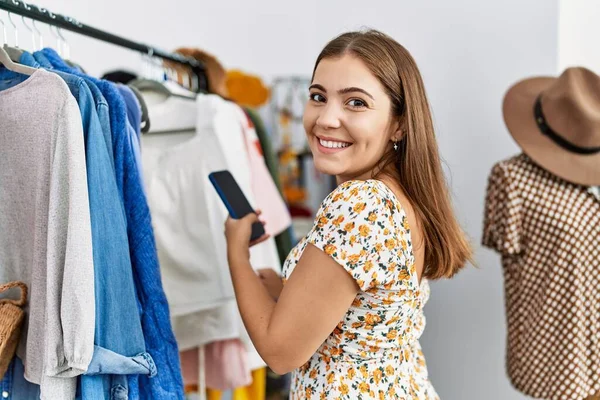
<point>271,281</point>
<point>237,233</point>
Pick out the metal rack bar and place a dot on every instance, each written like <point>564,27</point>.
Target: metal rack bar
<point>43,15</point>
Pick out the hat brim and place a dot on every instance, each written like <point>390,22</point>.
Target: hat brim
<point>519,119</point>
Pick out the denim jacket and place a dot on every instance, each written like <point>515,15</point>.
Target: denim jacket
<point>156,324</point>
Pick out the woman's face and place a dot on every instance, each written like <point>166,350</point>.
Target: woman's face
<point>348,119</point>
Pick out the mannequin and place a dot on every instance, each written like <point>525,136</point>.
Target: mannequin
<point>542,215</point>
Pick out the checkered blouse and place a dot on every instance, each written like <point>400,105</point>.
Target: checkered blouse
<point>548,233</point>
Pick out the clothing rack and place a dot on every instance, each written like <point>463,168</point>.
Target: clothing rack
<point>36,13</point>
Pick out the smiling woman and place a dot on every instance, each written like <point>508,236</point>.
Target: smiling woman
<point>349,317</point>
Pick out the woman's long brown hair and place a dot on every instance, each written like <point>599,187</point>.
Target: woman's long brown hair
<point>416,165</point>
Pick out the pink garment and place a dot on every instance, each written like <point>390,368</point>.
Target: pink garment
<point>274,210</point>
<point>225,365</point>
<point>189,366</point>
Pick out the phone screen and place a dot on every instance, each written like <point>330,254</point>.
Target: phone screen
<point>237,204</point>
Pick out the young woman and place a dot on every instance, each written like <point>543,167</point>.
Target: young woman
<point>348,318</point>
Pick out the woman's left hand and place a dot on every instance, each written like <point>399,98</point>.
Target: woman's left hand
<point>238,232</point>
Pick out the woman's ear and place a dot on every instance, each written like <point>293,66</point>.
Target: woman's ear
<point>398,133</point>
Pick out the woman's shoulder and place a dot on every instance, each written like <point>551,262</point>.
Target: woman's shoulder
<point>369,191</point>
<point>360,201</point>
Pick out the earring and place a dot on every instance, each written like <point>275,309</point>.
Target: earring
<point>395,146</point>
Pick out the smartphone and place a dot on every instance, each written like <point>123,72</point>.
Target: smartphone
<point>237,204</point>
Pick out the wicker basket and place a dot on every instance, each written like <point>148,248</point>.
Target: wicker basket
<point>11,319</point>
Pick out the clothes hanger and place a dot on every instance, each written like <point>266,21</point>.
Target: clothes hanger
<point>58,44</point>
<point>167,88</point>
<point>145,123</point>
<point>171,108</point>
<point>40,35</point>
<point>8,63</point>
<point>13,52</point>
<point>29,28</point>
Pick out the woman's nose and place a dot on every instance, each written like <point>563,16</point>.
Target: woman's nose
<point>329,117</point>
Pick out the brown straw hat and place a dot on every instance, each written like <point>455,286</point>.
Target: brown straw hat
<point>556,121</point>
<point>11,319</point>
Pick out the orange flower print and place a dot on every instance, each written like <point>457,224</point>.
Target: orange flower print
<point>330,249</point>
<point>403,275</point>
<point>354,258</point>
<point>372,216</point>
<point>381,395</point>
<point>372,319</point>
<point>403,244</point>
<point>391,392</point>
<point>389,370</point>
<point>364,387</point>
<point>405,224</point>
<point>323,221</point>
<point>352,240</point>
<point>349,227</point>
<point>336,351</point>
<point>330,378</point>
<point>351,373</point>
<point>392,335</point>
<point>344,390</point>
<point>378,248</point>
<point>368,265</point>
<point>313,373</point>
<point>363,371</point>
<point>377,375</point>
<point>364,230</point>
<point>390,244</point>
<point>358,208</point>
<point>338,220</point>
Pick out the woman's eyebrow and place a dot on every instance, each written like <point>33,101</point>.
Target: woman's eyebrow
<point>342,91</point>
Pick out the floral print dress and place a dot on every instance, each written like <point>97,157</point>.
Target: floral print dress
<point>374,352</point>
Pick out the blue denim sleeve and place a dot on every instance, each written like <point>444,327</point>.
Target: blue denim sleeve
<point>42,60</point>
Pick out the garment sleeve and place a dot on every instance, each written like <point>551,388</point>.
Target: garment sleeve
<point>70,301</point>
<point>359,228</point>
<point>503,213</point>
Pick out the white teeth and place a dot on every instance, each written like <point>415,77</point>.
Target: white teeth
<point>333,145</point>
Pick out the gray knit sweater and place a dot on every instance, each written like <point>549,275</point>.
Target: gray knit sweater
<point>45,233</point>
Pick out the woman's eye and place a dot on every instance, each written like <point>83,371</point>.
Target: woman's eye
<point>357,103</point>
<point>317,97</point>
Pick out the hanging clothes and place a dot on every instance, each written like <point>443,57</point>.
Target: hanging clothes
<point>264,190</point>
<point>255,391</point>
<point>189,217</point>
<point>226,366</point>
<point>44,205</point>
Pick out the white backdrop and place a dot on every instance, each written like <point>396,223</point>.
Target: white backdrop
<point>469,52</point>
<point>579,33</point>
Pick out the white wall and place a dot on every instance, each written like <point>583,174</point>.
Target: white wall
<point>469,52</point>
<point>579,33</point>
